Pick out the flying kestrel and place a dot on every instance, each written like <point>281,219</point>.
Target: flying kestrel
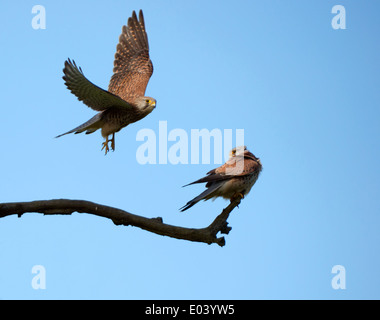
<point>125,101</point>
<point>234,178</point>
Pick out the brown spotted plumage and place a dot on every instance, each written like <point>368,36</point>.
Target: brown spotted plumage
<point>234,178</point>
<point>125,101</point>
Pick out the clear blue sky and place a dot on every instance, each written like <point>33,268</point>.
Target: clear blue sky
<point>306,95</point>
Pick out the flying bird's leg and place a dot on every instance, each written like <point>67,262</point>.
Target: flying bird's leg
<point>105,145</point>
<point>113,142</point>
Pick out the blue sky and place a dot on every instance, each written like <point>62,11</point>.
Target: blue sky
<point>306,95</point>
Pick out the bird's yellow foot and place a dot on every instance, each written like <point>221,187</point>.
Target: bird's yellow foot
<point>105,146</point>
<point>113,142</point>
<point>238,195</point>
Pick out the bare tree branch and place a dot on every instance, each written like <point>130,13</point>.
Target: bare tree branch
<point>120,217</point>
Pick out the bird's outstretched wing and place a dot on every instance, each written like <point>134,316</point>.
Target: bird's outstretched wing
<point>91,95</point>
<point>132,66</point>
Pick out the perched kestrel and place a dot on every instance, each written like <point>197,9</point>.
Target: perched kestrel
<point>125,101</point>
<point>234,178</point>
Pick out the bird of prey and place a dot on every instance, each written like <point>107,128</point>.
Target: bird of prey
<point>125,101</point>
<point>234,178</point>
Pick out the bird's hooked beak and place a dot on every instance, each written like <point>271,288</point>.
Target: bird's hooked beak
<point>153,104</point>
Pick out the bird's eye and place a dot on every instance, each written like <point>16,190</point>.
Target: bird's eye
<point>147,101</point>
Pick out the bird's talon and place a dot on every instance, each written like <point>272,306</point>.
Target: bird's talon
<point>113,142</point>
<point>105,146</point>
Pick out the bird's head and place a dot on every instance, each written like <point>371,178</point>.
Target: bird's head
<point>146,104</point>
<point>238,151</point>
<point>243,151</point>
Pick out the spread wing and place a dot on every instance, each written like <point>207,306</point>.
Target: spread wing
<point>91,95</point>
<point>132,66</point>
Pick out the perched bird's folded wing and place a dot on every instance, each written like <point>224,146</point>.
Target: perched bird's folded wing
<point>210,178</point>
<point>91,95</point>
<point>237,167</point>
<point>233,168</point>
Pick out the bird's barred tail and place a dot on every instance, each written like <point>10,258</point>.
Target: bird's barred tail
<point>203,196</point>
<point>89,126</point>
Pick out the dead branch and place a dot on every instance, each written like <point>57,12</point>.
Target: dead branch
<point>120,217</point>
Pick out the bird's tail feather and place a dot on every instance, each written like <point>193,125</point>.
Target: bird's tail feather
<point>205,195</point>
<point>89,126</point>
